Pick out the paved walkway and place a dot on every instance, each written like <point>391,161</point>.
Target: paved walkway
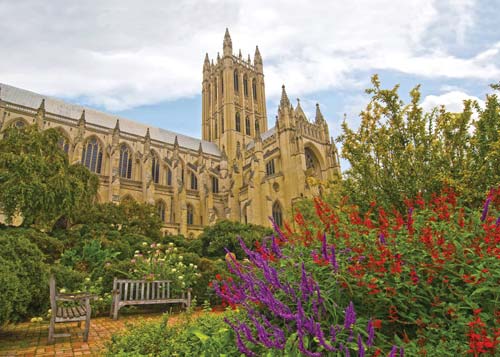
<point>30,339</point>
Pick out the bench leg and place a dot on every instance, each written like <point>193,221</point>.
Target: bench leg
<point>116,307</point>
<point>51,330</point>
<point>87,321</point>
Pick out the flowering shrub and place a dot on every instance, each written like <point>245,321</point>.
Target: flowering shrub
<point>164,263</point>
<point>426,282</point>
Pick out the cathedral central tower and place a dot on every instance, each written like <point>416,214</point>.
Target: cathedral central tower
<point>233,99</point>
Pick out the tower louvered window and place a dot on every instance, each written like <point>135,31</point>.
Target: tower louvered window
<point>270,167</point>
<point>155,169</point>
<point>194,181</point>
<point>247,125</point>
<point>236,82</point>
<point>169,177</point>
<point>190,215</point>
<point>160,208</point>
<point>245,85</point>
<point>215,184</point>
<point>238,122</point>
<point>125,166</point>
<point>92,156</point>
<point>277,214</point>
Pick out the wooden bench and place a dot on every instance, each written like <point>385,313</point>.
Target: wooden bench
<point>142,292</point>
<point>80,311</point>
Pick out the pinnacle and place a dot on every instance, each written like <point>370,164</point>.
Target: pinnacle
<point>42,105</point>
<point>284,97</point>
<point>148,136</point>
<point>319,115</point>
<point>82,117</point>
<point>117,125</point>
<point>227,38</point>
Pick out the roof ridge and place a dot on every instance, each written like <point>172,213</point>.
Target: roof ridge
<point>94,116</point>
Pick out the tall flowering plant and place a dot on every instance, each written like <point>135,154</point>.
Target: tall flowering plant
<point>427,280</point>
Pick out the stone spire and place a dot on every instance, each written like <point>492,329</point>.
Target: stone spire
<point>200,149</point>
<point>257,59</point>
<point>176,143</point>
<point>319,116</point>
<point>41,108</point>
<point>116,133</point>
<point>40,114</point>
<point>147,142</point>
<point>284,101</point>
<point>82,121</point>
<point>117,126</point>
<point>227,44</point>
<point>206,63</point>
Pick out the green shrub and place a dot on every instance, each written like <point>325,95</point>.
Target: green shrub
<point>224,235</point>
<point>206,335</point>
<point>25,262</point>
<point>9,291</point>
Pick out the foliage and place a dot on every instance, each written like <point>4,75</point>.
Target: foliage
<point>129,217</point>
<point>224,235</point>
<point>399,151</point>
<point>10,290</point>
<point>23,261</point>
<point>426,281</point>
<point>205,335</point>
<point>37,181</point>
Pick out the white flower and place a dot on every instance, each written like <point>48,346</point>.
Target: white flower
<point>137,251</point>
<point>183,284</point>
<point>144,244</point>
<point>174,270</point>
<point>181,257</point>
<point>87,279</point>
<point>62,291</point>
<point>196,266</point>
<point>175,249</point>
<point>170,244</point>
<point>191,265</point>
<point>158,245</point>
<point>180,277</point>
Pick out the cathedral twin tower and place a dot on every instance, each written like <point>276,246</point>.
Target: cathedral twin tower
<point>241,170</point>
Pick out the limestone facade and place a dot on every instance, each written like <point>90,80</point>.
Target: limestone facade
<point>240,170</point>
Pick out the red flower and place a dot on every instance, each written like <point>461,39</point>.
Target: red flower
<point>377,323</point>
<point>218,277</point>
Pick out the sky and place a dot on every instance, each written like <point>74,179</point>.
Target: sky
<point>143,59</point>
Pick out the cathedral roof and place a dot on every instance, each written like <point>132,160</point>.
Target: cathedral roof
<point>100,119</point>
<point>265,135</point>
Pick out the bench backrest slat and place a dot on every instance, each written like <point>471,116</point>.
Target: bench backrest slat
<point>131,290</point>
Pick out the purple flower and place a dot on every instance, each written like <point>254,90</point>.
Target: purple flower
<point>498,222</point>
<point>381,239</point>
<point>371,333</point>
<point>324,248</point>
<point>350,316</point>
<point>393,351</point>
<point>361,347</point>
<point>485,209</point>
<point>333,259</point>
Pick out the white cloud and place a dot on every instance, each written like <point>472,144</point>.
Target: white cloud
<point>121,53</point>
<point>453,101</point>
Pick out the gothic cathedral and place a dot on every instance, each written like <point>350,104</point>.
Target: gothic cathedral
<point>240,170</point>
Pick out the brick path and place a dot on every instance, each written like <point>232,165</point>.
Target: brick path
<point>30,339</point>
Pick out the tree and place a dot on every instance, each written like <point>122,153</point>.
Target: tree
<point>37,181</point>
<point>399,151</point>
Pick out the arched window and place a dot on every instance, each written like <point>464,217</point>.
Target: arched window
<point>125,166</point>
<point>92,156</point>
<point>257,128</point>
<point>215,184</point>
<point>238,122</point>
<point>277,214</point>
<point>254,89</point>
<point>155,169</point>
<point>194,181</point>
<point>169,177</point>
<point>270,167</point>
<point>245,85</point>
<point>19,124</point>
<point>247,125</point>
<point>160,209</point>
<point>236,82</point>
<point>312,163</point>
<point>63,144</point>
<point>190,215</point>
